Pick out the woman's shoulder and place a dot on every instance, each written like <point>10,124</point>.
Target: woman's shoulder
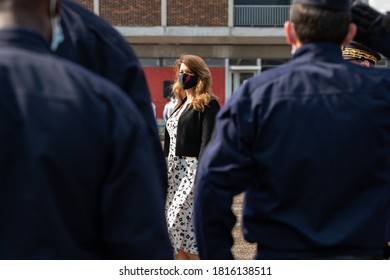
<point>214,103</point>
<point>212,107</point>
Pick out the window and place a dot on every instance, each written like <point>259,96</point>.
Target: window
<point>261,13</point>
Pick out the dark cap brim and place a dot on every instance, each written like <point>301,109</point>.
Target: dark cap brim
<point>335,5</point>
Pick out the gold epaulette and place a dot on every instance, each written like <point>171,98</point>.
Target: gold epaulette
<point>359,54</point>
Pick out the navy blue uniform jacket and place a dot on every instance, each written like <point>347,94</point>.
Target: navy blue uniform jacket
<point>309,143</point>
<point>93,43</point>
<point>76,178</point>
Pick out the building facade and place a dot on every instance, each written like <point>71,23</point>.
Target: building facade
<point>237,38</point>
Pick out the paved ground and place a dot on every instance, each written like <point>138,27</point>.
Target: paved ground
<point>242,250</point>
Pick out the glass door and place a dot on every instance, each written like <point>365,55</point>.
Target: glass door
<point>238,71</point>
<point>240,77</point>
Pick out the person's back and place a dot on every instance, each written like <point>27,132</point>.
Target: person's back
<point>309,143</point>
<point>75,166</point>
<point>321,159</point>
<point>94,44</point>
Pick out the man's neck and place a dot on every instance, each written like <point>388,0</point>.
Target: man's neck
<point>27,20</point>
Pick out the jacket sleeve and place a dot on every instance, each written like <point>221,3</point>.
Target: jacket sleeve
<point>373,27</point>
<point>208,122</point>
<point>223,172</point>
<point>133,222</point>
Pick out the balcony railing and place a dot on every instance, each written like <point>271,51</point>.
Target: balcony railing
<point>260,15</point>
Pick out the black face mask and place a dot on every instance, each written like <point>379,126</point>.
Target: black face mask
<point>188,81</point>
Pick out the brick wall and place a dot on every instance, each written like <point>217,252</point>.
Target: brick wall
<point>148,12</point>
<point>86,3</point>
<point>131,12</point>
<point>197,13</point>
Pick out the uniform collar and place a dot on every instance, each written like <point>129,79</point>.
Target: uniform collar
<point>318,52</point>
<point>23,38</point>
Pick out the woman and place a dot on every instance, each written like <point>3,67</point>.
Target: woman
<point>187,132</point>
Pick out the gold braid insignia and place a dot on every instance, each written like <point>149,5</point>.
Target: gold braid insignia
<point>359,54</point>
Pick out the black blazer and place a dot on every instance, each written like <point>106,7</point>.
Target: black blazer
<point>194,130</point>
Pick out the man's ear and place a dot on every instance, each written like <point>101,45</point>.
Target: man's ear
<point>351,34</point>
<point>289,32</point>
<point>366,63</point>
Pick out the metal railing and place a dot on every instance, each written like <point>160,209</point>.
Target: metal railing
<point>260,15</point>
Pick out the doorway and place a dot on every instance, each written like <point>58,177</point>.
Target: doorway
<point>240,77</point>
<point>237,75</point>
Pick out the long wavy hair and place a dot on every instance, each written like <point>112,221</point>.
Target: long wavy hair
<point>202,92</point>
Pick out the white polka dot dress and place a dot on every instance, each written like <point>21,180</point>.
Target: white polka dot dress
<point>180,196</point>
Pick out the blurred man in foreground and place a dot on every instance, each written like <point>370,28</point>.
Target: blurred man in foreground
<point>77,179</point>
<point>308,142</point>
<point>88,40</point>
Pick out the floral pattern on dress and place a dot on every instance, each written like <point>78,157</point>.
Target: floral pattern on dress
<point>180,195</point>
